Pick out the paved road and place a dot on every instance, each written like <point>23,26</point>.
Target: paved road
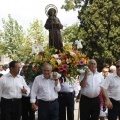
<point>76,111</point>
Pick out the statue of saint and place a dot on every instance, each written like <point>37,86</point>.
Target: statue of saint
<point>53,25</point>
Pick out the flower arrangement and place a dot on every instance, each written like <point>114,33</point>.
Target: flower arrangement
<point>66,63</point>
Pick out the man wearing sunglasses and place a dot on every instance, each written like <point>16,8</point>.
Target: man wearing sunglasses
<point>111,92</point>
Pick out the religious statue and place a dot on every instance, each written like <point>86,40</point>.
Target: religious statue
<point>54,25</point>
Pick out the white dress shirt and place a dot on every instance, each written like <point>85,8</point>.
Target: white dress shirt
<point>92,88</point>
<point>44,89</point>
<point>69,87</point>
<point>10,87</point>
<point>112,85</point>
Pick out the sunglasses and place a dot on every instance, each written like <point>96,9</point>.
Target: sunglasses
<point>117,66</point>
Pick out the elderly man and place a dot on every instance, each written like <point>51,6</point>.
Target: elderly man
<point>112,68</point>
<point>45,88</point>
<point>12,87</point>
<point>111,92</point>
<point>90,90</point>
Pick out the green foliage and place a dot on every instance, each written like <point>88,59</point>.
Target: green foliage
<point>99,29</point>
<point>36,31</point>
<point>1,44</point>
<point>76,4</point>
<point>16,45</point>
<point>71,4</point>
<point>70,34</point>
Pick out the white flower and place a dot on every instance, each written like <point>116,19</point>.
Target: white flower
<point>79,44</point>
<point>41,49</point>
<point>55,56</point>
<point>58,61</point>
<point>72,53</point>
<point>81,71</point>
<point>33,65</point>
<point>33,49</point>
<point>67,43</point>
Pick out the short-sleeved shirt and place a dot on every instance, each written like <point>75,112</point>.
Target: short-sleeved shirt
<point>112,85</point>
<point>44,89</point>
<point>92,88</point>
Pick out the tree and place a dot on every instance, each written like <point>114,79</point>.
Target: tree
<point>70,34</point>
<point>100,30</point>
<point>16,45</point>
<point>36,32</point>
<point>2,44</point>
<point>76,4</point>
<point>72,4</point>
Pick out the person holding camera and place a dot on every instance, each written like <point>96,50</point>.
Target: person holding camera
<point>45,88</point>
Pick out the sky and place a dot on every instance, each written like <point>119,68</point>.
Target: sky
<point>25,11</point>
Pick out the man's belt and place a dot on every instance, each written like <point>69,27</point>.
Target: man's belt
<point>116,101</point>
<point>10,100</point>
<point>51,101</point>
<point>88,97</point>
<point>66,93</point>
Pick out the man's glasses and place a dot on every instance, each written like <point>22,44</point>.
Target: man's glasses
<point>117,66</point>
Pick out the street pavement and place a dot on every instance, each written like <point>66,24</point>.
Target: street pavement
<point>76,111</point>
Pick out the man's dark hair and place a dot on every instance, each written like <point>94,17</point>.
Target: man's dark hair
<point>24,67</point>
<point>12,64</point>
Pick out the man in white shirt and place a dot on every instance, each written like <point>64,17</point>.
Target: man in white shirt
<point>90,90</point>
<point>45,88</point>
<point>12,87</point>
<point>111,92</point>
<point>66,98</point>
<point>112,68</point>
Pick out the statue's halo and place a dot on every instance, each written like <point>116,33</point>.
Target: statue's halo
<point>49,6</point>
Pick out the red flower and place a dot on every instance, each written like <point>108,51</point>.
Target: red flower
<point>60,70</point>
<point>35,68</point>
<point>40,53</point>
<point>61,80</point>
<point>65,73</point>
<point>81,62</point>
<point>65,67</point>
<point>59,55</point>
<point>74,48</point>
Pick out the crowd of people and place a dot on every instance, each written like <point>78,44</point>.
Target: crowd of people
<point>53,96</point>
